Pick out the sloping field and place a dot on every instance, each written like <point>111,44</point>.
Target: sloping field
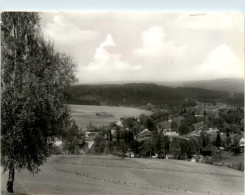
<point>83,114</point>
<point>112,175</point>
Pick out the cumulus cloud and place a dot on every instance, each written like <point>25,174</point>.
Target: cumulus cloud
<point>155,44</point>
<point>149,46</point>
<point>106,65</point>
<point>65,33</point>
<point>221,62</point>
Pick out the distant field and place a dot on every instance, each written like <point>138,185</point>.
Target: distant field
<point>83,114</point>
<point>112,175</point>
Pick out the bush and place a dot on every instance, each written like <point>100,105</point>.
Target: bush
<point>216,155</point>
<point>238,166</point>
<point>56,150</point>
<point>208,160</point>
<point>106,150</point>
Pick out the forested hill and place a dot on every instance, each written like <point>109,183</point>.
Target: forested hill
<point>232,85</point>
<point>141,94</point>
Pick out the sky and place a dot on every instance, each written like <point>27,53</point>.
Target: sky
<point>149,47</point>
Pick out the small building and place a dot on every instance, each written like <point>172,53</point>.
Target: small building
<point>169,156</point>
<point>57,142</point>
<point>241,144</point>
<point>170,119</point>
<point>212,131</point>
<point>130,154</point>
<point>195,133</point>
<point>145,134</point>
<point>113,132</point>
<point>119,124</point>
<point>171,133</point>
<point>91,135</point>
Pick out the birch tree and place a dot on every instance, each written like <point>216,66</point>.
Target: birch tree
<point>34,81</point>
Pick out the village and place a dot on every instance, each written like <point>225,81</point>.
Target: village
<point>200,134</point>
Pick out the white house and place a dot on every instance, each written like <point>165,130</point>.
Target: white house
<point>58,142</point>
<point>119,124</point>
<point>171,133</point>
<point>212,130</point>
<point>241,142</point>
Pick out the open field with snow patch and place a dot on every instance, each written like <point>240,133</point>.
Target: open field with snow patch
<point>83,114</point>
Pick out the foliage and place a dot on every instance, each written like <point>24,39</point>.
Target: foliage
<point>204,139</point>
<point>140,94</point>
<point>237,99</point>
<point>99,145</point>
<point>147,122</point>
<point>186,124</point>
<point>179,148</point>
<point>218,140</point>
<point>73,140</point>
<point>194,145</point>
<point>34,84</point>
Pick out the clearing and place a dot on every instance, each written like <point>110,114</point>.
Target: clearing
<point>112,175</point>
<point>83,114</point>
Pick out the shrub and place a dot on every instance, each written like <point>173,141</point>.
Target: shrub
<point>56,150</point>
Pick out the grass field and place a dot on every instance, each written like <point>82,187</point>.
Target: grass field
<point>112,175</point>
<point>83,114</point>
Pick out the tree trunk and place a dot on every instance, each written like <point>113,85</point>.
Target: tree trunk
<point>10,184</point>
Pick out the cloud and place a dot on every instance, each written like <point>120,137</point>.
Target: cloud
<point>155,45</point>
<point>107,66</point>
<point>209,21</point>
<point>65,33</point>
<point>220,63</point>
<point>149,46</point>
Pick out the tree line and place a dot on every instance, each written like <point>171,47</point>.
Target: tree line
<point>141,94</point>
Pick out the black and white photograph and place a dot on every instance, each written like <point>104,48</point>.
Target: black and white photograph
<point>122,103</point>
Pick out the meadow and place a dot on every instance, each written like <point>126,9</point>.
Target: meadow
<point>84,114</point>
<point>113,175</point>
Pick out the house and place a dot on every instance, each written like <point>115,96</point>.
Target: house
<point>171,134</point>
<point>91,135</point>
<point>194,158</point>
<point>113,132</point>
<point>169,156</point>
<point>145,134</point>
<point>170,119</point>
<point>130,154</point>
<point>195,133</point>
<point>119,124</point>
<point>212,131</point>
<point>57,142</point>
<point>241,144</point>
